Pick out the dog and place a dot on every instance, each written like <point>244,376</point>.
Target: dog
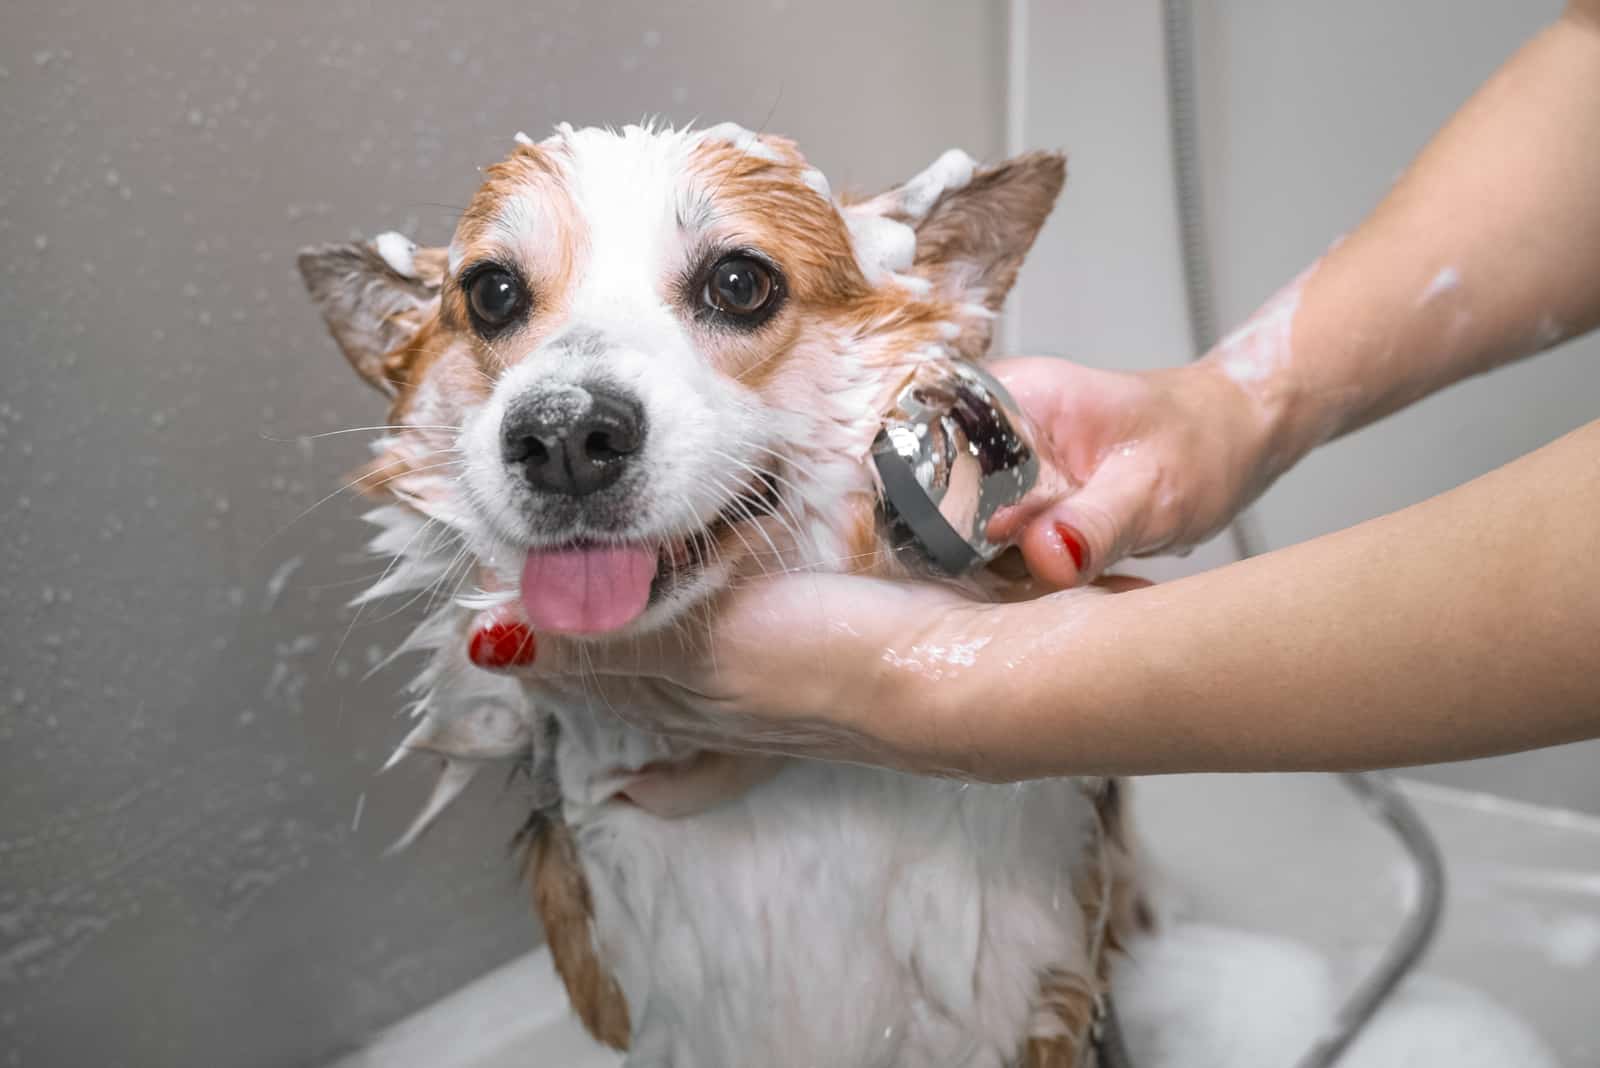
<point>651,361</point>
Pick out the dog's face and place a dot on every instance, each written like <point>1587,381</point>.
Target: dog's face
<point>650,358</point>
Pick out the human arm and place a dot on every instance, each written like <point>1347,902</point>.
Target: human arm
<point>1487,249</point>
<point>1463,626</point>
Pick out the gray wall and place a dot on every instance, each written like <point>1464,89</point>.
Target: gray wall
<point>190,869</point>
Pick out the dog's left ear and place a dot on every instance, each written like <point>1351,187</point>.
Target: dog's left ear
<point>375,296</point>
<point>973,224</point>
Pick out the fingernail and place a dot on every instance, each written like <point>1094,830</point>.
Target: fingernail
<point>503,645</point>
<point>1074,543</point>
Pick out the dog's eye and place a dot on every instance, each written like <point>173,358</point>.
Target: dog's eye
<point>740,287</point>
<point>496,297</point>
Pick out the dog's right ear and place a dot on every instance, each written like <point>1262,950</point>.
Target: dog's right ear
<point>376,296</point>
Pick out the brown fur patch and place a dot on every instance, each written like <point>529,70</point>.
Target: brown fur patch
<point>769,203</point>
<point>1130,912</point>
<point>561,896</point>
<point>864,549</point>
<point>766,203</point>
<point>490,230</point>
<point>1070,999</point>
<point>1109,898</point>
<point>372,310</point>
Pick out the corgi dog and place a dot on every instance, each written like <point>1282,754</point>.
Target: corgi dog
<point>649,362</point>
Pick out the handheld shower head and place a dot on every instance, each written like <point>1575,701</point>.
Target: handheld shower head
<point>953,450</point>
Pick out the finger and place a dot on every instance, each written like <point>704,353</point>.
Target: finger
<point>500,639</point>
<point>1032,381</point>
<point>1008,521</point>
<point>1080,535</point>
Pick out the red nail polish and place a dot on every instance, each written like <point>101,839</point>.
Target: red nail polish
<point>1074,543</point>
<point>503,645</point>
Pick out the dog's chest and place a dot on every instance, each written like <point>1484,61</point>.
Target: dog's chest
<point>837,915</point>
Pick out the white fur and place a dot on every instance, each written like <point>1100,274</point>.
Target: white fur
<point>839,915</point>
<point>833,914</point>
<point>628,189</point>
<point>887,919</point>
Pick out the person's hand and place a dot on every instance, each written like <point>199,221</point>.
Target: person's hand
<point>840,667</point>
<point>801,663</point>
<point>1136,463</point>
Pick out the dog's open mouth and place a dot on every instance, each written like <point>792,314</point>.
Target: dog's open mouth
<point>591,587</point>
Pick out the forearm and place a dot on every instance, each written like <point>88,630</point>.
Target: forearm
<point>1464,626</point>
<point>1486,250</point>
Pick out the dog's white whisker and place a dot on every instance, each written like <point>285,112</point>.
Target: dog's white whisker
<point>355,483</point>
<point>744,510</point>
<point>356,430</point>
<point>762,474</point>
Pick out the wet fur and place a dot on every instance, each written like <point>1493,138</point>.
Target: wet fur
<point>401,324</point>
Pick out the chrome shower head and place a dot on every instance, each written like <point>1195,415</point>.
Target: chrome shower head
<point>953,450</point>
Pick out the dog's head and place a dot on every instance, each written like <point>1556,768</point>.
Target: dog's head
<point>649,358</point>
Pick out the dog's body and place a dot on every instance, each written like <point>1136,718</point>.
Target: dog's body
<point>611,399</point>
<point>839,915</point>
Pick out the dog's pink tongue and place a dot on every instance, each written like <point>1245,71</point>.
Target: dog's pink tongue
<point>586,591</point>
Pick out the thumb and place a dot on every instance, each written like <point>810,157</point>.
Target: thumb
<point>1077,537</point>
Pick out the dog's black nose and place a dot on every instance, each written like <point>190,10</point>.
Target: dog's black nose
<point>572,441</point>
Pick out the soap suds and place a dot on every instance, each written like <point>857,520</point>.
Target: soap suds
<point>884,242</point>
<point>817,182</point>
<point>1565,938</point>
<point>398,251</point>
<point>920,286</point>
<point>1448,280</point>
<point>883,246</point>
<point>1264,343</point>
<point>744,140</point>
<point>948,173</point>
